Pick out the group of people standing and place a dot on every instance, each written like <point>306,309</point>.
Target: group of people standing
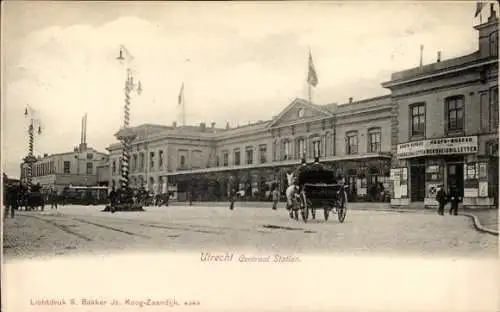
<point>292,179</point>
<point>444,198</point>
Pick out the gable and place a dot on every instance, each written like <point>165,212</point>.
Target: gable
<point>297,112</point>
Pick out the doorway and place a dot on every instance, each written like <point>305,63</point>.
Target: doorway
<point>455,177</point>
<point>417,180</point>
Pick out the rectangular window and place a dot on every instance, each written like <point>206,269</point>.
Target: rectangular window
<point>141,161</point>
<point>249,156</point>
<point>484,110</point>
<point>263,154</point>
<point>455,113</point>
<point>493,108</point>
<point>152,161</point>
<point>113,168</point>
<point>134,163</point>
<point>352,143</point>
<point>182,161</point>
<point>494,44</point>
<point>67,167</point>
<point>287,149</point>
<point>316,148</point>
<point>374,141</point>
<point>160,159</point>
<point>417,116</point>
<point>237,157</point>
<point>90,168</point>
<point>225,159</point>
<point>301,148</point>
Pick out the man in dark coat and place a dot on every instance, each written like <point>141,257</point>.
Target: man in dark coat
<point>441,199</point>
<point>455,199</point>
<point>12,200</point>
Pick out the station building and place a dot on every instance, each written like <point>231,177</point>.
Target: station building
<point>439,125</point>
<point>353,139</point>
<point>445,126</point>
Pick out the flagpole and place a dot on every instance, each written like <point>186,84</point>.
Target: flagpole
<point>309,93</point>
<point>183,107</point>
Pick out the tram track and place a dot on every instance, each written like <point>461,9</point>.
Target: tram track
<point>98,221</point>
<point>66,228</point>
<point>61,227</point>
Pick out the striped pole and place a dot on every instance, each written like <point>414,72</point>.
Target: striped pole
<point>125,141</point>
<point>30,155</point>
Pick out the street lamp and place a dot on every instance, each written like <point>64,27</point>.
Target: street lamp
<point>127,135</point>
<point>34,122</point>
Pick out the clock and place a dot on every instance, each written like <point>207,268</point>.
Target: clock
<point>301,113</point>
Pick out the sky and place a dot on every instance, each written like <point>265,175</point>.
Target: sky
<point>239,62</point>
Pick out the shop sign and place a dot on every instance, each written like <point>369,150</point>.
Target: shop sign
<point>445,146</point>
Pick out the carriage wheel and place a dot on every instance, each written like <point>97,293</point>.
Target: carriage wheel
<point>305,207</point>
<point>342,209</point>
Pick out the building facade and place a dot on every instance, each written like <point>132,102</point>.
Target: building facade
<point>445,126</point>
<point>439,126</point>
<point>353,139</point>
<point>76,168</point>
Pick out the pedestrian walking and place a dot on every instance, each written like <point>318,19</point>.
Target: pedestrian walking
<point>441,199</point>
<point>454,199</point>
<point>53,199</point>
<point>276,197</point>
<point>232,198</point>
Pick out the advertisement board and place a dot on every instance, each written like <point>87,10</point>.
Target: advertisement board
<point>444,146</point>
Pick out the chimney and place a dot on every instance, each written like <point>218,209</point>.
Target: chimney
<point>350,100</point>
<point>439,57</point>
<point>202,126</point>
<point>174,124</point>
<point>493,13</point>
<point>227,125</point>
<point>213,125</point>
<point>83,139</point>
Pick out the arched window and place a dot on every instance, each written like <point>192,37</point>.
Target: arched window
<point>374,140</point>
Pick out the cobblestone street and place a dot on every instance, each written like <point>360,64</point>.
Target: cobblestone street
<point>85,229</point>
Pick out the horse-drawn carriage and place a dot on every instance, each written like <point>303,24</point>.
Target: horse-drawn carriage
<point>317,188</point>
<point>31,199</point>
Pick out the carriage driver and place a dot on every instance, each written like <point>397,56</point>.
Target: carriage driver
<point>292,178</point>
